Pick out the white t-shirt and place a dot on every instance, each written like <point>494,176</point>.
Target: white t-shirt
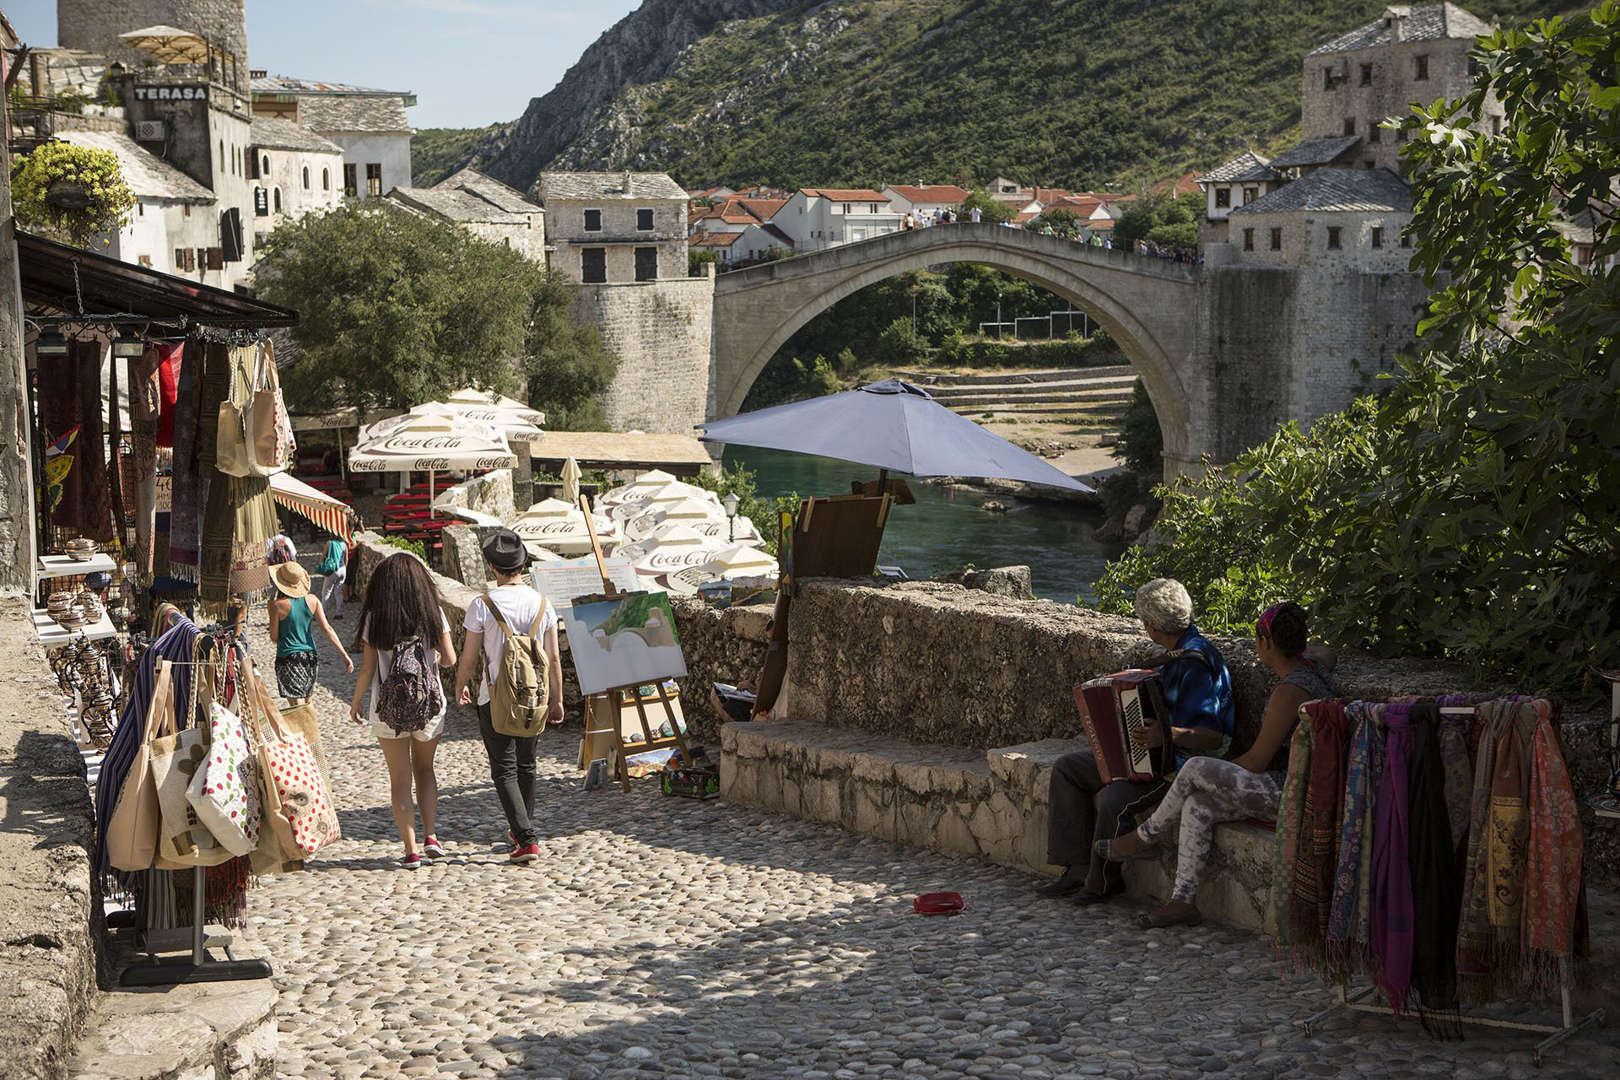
<point>519,605</point>
<point>385,664</point>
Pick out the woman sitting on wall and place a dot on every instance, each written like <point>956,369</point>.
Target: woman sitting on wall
<point>1208,791</point>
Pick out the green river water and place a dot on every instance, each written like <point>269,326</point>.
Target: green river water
<point>946,527</point>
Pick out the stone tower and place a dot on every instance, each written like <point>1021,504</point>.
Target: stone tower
<point>94,25</point>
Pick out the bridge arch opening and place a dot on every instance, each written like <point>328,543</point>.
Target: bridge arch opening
<point>802,297</point>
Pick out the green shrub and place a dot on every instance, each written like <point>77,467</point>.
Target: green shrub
<point>763,511</point>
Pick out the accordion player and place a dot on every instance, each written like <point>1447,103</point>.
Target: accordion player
<point>1121,713</point>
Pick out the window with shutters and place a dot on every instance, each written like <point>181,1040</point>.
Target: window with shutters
<point>374,179</point>
<point>644,220</point>
<point>351,183</point>
<point>593,221</point>
<point>180,258</point>
<point>216,257</point>
<point>593,265</point>
<point>646,264</point>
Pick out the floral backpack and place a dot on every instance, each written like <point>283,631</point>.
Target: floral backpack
<point>411,694</point>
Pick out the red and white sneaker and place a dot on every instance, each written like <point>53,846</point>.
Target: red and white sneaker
<point>526,853</point>
<point>433,849</point>
<point>411,861</point>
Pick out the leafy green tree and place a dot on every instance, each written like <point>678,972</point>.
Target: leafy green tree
<point>1472,511</point>
<point>1141,442</point>
<point>697,257</point>
<point>900,345</point>
<point>398,308</point>
<point>1180,235</point>
<point>990,210</point>
<point>1059,220</point>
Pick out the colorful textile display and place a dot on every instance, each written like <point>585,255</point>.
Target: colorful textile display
<point>1315,853</point>
<point>240,516</point>
<point>70,398</point>
<point>189,488</point>
<point>1349,927</point>
<point>1290,820</point>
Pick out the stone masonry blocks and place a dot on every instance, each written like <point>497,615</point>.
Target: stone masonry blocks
<point>661,332</point>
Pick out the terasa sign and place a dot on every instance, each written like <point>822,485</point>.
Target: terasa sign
<point>171,93</point>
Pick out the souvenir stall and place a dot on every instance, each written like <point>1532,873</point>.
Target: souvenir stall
<point>157,424</point>
<point>1428,861</point>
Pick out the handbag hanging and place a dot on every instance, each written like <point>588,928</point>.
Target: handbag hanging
<point>306,816</point>
<point>225,792</point>
<point>302,720</point>
<point>132,830</point>
<point>232,455</point>
<point>183,839</point>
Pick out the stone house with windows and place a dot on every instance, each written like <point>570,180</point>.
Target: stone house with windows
<point>1330,219</point>
<point>1235,183</point>
<point>369,124</point>
<point>294,171</point>
<point>819,218</point>
<point>174,227</point>
<point>487,208</point>
<point>615,227</point>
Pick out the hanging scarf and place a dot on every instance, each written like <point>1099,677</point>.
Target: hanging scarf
<point>1311,881</point>
<point>1391,894</point>
<point>189,488</point>
<point>1346,948</point>
<point>143,419</point>
<point>70,397</point>
<point>168,387</point>
<point>1436,884</point>
<point>1457,760</point>
<point>1552,874</point>
<point>1290,816</point>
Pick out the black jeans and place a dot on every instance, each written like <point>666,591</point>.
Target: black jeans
<point>1085,810</point>
<point>511,766</point>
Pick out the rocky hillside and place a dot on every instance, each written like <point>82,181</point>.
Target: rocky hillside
<point>1086,93</point>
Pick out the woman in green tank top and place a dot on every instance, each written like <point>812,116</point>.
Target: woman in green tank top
<point>294,615</point>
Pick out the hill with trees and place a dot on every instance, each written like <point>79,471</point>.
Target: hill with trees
<point>1084,93</point>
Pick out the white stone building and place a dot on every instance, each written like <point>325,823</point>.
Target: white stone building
<point>819,218</point>
<point>294,171</point>
<point>487,208</point>
<point>1331,219</point>
<point>748,244</point>
<point>174,227</point>
<point>370,125</point>
<point>615,227</point>
<point>1235,183</point>
<point>924,198</point>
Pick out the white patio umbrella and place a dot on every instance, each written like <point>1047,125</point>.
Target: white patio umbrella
<point>430,439</point>
<point>671,548</point>
<point>169,44</point>
<point>636,489</point>
<point>707,517</point>
<point>736,561</point>
<point>511,418</point>
<point>674,491</point>
<point>560,527</point>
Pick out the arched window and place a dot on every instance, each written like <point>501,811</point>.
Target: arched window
<point>275,199</point>
<point>326,179</point>
<point>264,164</point>
<point>306,177</point>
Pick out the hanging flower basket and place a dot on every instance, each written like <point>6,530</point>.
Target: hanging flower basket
<point>70,192</point>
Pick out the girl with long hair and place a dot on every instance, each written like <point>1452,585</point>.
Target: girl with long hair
<point>401,621</point>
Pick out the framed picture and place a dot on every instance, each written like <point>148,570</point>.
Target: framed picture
<point>624,642</point>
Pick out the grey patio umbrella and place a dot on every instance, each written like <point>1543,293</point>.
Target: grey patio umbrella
<point>891,425</point>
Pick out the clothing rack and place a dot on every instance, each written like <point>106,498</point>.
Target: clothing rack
<point>1357,1001</point>
<point>197,966</point>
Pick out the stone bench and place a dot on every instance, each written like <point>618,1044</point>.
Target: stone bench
<point>991,804</point>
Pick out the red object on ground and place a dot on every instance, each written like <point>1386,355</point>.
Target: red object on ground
<point>938,903</point>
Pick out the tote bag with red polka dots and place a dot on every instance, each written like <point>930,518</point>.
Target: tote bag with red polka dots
<point>289,769</point>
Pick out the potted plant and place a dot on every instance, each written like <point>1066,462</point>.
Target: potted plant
<point>70,192</point>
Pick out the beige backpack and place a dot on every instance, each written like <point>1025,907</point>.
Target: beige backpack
<point>520,695</point>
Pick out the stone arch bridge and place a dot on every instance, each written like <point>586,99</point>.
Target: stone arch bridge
<point>1226,352</point>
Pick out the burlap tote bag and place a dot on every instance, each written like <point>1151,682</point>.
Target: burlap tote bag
<point>177,756</point>
<point>132,830</point>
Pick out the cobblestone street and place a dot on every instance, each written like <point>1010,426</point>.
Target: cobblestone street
<point>672,937</point>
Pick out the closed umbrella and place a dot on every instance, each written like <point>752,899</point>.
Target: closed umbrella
<point>893,426</point>
<point>570,480</point>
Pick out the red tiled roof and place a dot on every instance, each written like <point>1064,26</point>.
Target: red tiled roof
<point>1083,205</point>
<point>1023,216</point>
<point>846,194</point>
<point>762,208</point>
<point>722,239</point>
<point>930,193</point>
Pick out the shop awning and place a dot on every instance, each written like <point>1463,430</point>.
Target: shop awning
<point>73,283</point>
<point>331,514</point>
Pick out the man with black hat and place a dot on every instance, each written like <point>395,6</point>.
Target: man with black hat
<point>513,603</point>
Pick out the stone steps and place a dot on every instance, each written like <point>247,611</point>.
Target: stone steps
<point>1034,389</point>
<point>931,380</point>
<point>991,804</point>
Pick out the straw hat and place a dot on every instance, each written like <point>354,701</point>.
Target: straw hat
<point>290,579</point>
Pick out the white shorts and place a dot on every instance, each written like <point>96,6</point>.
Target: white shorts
<point>434,729</point>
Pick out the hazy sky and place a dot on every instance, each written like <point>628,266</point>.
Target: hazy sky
<point>470,62</point>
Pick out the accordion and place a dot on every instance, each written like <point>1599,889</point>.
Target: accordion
<point>1117,711</point>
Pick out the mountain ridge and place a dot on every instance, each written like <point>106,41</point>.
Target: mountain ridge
<point>1086,93</point>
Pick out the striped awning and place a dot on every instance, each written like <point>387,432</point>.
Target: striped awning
<point>333,515</point>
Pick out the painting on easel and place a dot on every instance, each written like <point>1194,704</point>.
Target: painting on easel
<point>625,641</point>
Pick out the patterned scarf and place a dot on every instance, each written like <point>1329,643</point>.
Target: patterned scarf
<point>1489,938</point>
<point>1391,895</point>
<point>1552,875</point>
<point>69,397</point>
<point>1432,863</point>
<point>1347,918</point>
<point>1315,856</point>
<point>1458,762</point>
<point>1290,818</point>
<point>189,489</point>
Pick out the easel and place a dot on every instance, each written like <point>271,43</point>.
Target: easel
<point>1357,1001</point>
<point>613,702</point>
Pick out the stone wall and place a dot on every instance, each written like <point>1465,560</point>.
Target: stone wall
<point>94,26</point>
<point>660,331</point>
<point>47,950</point>
<point>491,493</point>
<point>721,645</point>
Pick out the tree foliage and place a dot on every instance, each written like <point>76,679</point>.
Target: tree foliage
<point>398,308</point>
<point>990,210</point>
<point>1473,511</point>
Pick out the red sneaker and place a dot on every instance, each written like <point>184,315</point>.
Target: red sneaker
<point>410,862</point>
<point>433,849</point>
<point>526,853</point>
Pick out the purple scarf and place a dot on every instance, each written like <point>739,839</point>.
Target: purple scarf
<point>1392,909</point>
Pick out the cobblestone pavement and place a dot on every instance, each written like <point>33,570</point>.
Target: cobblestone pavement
<point>671,937</point>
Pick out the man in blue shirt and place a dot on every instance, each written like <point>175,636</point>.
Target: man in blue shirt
<point>1198,690</point>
